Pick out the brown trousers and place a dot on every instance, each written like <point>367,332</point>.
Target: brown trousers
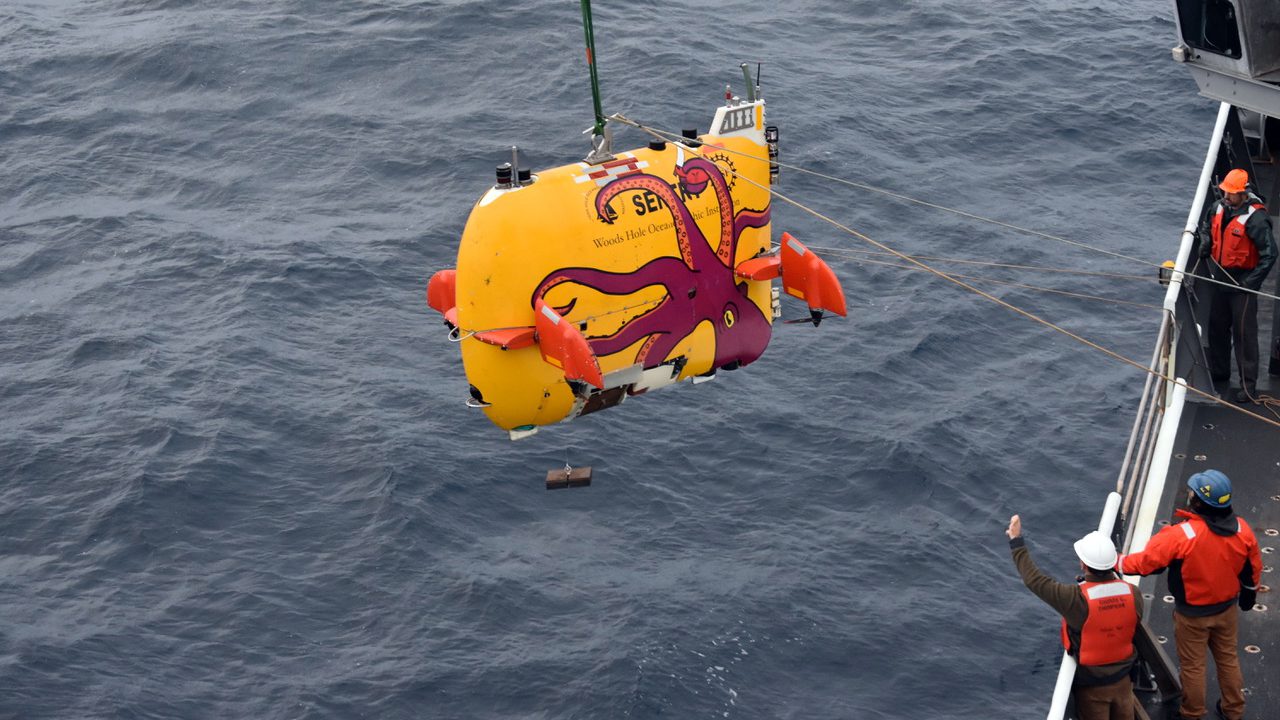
<point>1108,702</point>
<point>1219,634</point>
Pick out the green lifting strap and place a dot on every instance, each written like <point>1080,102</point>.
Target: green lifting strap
<point>598,129</point>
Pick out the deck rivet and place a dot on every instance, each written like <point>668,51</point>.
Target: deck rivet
<point>1271,532</point>
<point>1267,550</point>
<point>1180,456</point>
<point>1164,522</point>
<point>1147,596</point>
<point>1276,497</point>
<point>1252,649</point>
<point>1163,639</point>
<point>1168,598</point>
<point>1266,568</point>
<point>1208,426</point>
<point>1201,458</point>
<point>1264,588</point>
<point>1259,607</point>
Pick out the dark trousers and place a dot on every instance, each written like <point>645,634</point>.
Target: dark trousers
<point>1233,322</point>
<point>1108,702</point>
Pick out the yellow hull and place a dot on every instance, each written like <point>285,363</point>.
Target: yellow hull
<point>639,253</point>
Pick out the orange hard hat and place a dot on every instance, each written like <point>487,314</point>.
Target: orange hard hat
<point>1236,181</point>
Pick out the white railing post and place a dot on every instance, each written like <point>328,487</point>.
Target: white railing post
<point>1197,207</point>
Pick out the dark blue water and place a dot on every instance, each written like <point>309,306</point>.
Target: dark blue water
<point>237,479</point>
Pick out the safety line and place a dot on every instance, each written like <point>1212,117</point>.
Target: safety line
<point>945,276</point>
<point>983,263</point>
<point>679,140</point>
<point>1011,283</point>
<point>457,335</point>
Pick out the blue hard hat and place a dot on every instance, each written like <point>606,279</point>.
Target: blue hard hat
<point>1211,486</point>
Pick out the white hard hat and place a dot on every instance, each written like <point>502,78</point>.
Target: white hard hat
<point>1096,551</point>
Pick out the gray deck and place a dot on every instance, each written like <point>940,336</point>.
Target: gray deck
<point>1212,436</point>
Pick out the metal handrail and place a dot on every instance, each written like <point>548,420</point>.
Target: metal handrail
<point>1148,408</point>
<point>1155,412</point>
<point>1142,405</point>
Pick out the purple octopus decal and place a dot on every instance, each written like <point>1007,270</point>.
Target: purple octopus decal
<point>700,285</point>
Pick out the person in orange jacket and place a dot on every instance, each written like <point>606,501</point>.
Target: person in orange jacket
<point>1238,242</point>
<point>1214,566</point>
<point>1100,615</point>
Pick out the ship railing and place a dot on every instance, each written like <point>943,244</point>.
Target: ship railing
<point>1129,513</point>
<point>1155,427</point>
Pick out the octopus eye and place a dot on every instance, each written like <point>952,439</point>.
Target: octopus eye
<point>729,319</point>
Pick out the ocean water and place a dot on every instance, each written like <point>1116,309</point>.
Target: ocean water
<point>237,477</point>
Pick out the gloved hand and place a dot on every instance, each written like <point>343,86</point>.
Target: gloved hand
<point>1205,245</point>
<point>1247,599</point>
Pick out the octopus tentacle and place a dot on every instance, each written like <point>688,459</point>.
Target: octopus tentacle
<point>658,347</point>
<point>699,285</point>
<point>688,235</point>
<point>642,325</point>
<point>667,272</point>
<point>664,271</point>
<point>749,219</point>
<point>724,250</point>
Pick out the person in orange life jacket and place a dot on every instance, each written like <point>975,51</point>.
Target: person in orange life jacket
<point>1214,565</point>
<point>1100,614</point>
<point>1237,240</point>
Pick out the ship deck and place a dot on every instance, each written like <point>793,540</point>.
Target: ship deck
<point>1213,436</point>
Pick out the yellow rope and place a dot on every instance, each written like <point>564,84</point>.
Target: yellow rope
<point>1030,316</point>
<point>1010,283</point>
<point>679,140</point>
<point>1040,268</point>
<point>945,276</point>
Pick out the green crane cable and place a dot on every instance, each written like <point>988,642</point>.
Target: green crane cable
<point>589,31</point>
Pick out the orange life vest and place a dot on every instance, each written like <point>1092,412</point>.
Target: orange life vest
<point>1107,635</point>
<point>1232,247</point>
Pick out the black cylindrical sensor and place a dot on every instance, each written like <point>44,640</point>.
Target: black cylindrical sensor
<point>525,176</point>
<point>503,174</point>
<point>657,145</point>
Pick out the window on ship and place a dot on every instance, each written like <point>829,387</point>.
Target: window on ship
<point>1210,25</point>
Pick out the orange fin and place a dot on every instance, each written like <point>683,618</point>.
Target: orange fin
<point>509,338</point>
<point>442,295</point>
<point>767,267</point>
<point>563,345</point>
<point>808,277</point>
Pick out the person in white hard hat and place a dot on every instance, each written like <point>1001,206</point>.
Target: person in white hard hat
<point>1100,615</point>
